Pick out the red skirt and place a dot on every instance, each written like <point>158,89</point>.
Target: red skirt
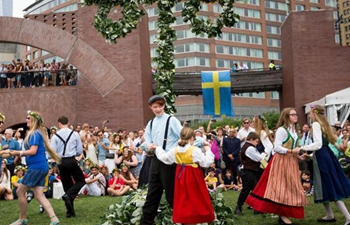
<point>261,204</point>
<point>192,202</point>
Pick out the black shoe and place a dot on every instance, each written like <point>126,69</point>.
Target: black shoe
<point>69,214</point>
<point>30,197</point>
<point>321,220</point>
<point>281,222</point>
<point>249,207</point>
<point>69,206</point>
<point>41,209</point>
<point>238,210</point>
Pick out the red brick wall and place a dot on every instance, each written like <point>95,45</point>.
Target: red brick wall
<point>313,64</point>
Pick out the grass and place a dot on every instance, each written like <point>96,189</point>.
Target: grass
<point>90,210</point>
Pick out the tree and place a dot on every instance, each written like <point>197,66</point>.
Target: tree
<point>132,12</point>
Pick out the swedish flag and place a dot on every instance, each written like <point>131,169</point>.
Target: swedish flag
<point>216,89</point>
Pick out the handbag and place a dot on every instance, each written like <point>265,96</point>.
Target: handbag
<point>110,156</point>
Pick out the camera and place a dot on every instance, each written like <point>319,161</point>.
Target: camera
<point>107,121</point>
<point>188,121</point>
<point>213,120</point>
<point>20,129</point>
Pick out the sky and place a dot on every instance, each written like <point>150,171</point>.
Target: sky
<point>19,5</point>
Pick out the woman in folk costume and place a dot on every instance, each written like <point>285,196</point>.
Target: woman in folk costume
<point>189,180</point>
<point>330,182</point>
<point>279,190</point>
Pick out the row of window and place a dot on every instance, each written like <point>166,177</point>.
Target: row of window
<point>46,6</point>
<point>192,61</point>
<point>239,51</point>
<point>252,13</point>
<point>225,63</point>
<point>242,38</point>
<point>275,17</point>
<point>276,5</point>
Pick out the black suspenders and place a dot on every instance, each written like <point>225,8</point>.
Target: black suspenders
<point>65,142</point>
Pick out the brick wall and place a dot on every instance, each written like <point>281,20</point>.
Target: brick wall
<point>313,64</point>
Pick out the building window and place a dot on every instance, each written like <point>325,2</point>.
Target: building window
<point>331,3</point>
<point>225,63</point>
<point>275,17</point>
<point>273,29</point>
<point>28,57</point>
<point>313,8</point>
<point>28,48</point>
<point>152,25</point>
<point>43,52</point>
<point>274,95</point>
<point>152,11</point>
<point>250,2</point>
<point>276,5</point>
<point>192,61</point>
<point>299,8</point>
<point>248,25</point>
<point>272,42</point>
<point>252,95</point>
<point>315,1</point>
<point>274,55</point>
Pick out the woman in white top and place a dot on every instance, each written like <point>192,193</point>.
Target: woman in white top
<point>5,182</point>
<point>91,149</point>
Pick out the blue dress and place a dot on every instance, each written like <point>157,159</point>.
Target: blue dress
<point>330,181</point>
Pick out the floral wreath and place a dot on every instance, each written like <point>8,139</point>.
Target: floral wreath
<point>131,14</point>
<point>20,167</point>
<point>36,116</point>
<point>227,18</point>
<point>262,118</point>
<point>2,116</point>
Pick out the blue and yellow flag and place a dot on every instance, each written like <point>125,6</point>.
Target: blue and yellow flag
<point>216,89</point>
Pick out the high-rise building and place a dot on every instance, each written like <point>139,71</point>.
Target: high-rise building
<point>7,51</point>
<point>254,40</point>
<point>6,7</point>
<point>344,22</point>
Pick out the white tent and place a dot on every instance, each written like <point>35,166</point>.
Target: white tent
<point>337,105</point>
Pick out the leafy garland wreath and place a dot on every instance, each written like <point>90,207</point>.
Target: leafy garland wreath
<point>132,13</point>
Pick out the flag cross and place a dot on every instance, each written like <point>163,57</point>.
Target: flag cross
<point>216,85</point>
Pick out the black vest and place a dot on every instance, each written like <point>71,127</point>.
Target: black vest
<point>247,163</point>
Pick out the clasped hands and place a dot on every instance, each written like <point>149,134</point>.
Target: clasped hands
<point>7,153</point>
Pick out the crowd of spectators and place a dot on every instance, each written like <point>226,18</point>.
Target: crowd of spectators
<point>112,160</point>
<point>27,74</point>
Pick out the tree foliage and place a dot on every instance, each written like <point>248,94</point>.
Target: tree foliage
<point>132,12</point>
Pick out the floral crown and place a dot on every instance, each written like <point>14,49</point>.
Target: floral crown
<point>262,118</point>
<point>17,168</point>
<point>316,111</point>
<point>2,117</point>
<point>36,116</point>
<point>123,164</point>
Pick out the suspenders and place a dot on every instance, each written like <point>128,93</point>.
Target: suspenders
<point>65,142</point>
<point>166,131</point>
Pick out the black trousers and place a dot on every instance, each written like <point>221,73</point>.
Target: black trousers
<point>161,178</point>
<point>249,180</point>
<point>69,171</point>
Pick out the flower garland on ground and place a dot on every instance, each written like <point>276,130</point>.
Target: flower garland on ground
<point>132,13</point>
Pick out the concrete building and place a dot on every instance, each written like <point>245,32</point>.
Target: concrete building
<point>344,22</point>
<point>254,40</point>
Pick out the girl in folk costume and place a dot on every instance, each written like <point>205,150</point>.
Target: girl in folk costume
<point>189,180</point>
<point>330,182</point>
<point>279,190</point>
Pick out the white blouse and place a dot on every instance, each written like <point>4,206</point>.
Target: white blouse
<point>5,181</point>
<point>203,159</point>
<point>281,136</point>
<point>317,138</point>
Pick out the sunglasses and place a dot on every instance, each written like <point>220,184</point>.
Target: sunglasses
<point>1,122</point>
<point>246,123</point>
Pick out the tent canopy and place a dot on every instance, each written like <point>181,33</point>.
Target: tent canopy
<point>337,105</point>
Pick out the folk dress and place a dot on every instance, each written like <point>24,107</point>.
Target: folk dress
<point>279,190</point>
<point>192,202</point>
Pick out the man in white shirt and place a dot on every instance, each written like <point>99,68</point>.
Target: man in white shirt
<point>242,67</point>
<point>243,133</point>
<point>95,183</point>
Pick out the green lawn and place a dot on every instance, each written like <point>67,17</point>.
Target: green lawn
<point>89,211</point>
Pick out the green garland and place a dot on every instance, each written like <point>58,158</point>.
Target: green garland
<point>132,13</point>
